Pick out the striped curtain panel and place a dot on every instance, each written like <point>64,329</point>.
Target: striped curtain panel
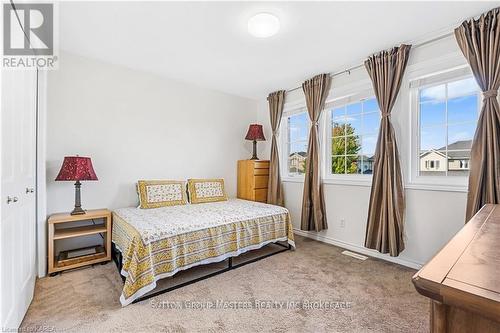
<point>276,101</point>
<point>479,41</point>
<point>385,225</point>
<point>313,200</point>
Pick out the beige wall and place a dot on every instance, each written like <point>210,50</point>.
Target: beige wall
<point>137,125</point>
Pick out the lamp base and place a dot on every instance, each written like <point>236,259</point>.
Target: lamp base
<point>254,154</point>
<point>77,211</point>
<point>78,204</point>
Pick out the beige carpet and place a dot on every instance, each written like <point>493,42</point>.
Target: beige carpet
<point>374,296</point>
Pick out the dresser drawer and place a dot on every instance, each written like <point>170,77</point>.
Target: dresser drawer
<point>261,164</point>
<point>261,172</point>
<point>253,178</point>
<point>260,195</point>
<point>260,182</point>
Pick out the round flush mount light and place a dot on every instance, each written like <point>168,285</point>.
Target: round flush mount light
<point>263,25</point>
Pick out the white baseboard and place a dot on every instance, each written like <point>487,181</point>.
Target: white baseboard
<point>357,248</point>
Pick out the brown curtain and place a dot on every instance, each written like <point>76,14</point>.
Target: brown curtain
<point>274,188</point>
<point>313,202</point>
<point>384,229</point>
<point>480,44</point>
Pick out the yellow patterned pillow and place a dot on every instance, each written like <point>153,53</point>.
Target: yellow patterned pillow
<point>206,190</point>
<point>161,193</point>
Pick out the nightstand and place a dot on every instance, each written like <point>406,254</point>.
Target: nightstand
<point>253,176</point>
<point>59,227</point>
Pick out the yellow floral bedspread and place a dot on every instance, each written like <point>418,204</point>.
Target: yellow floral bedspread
<point>157,243</point>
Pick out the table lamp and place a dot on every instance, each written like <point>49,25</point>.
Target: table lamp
<point>76,168</point>
<point>255,133</point>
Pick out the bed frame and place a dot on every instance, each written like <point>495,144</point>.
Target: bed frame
<point>117,258</point>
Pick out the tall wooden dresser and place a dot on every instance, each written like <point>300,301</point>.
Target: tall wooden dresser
<point>252,180</point>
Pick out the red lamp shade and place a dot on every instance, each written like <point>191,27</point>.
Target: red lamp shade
<point>76,168</point>
<point>255,133</point>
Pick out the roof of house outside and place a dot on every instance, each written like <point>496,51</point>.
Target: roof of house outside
<point>456,150</point>
<point>367,158</point>
<point>301,153</point>
<point>463,144</point>
<point>459,154</point>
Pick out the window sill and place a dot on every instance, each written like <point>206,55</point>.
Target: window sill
<point>329,181</point>
<point>437,187</point>
<point>349,182</point>
<point>368,183</point>
<point>292,180</point>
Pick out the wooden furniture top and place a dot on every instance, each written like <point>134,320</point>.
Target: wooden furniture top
<point>257,163</point>
<point>466,272</point>
<point>90,214</point>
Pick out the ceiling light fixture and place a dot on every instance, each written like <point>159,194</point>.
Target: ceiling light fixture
<point>263,25</point>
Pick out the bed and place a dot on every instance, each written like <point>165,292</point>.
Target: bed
<point>151,244</point>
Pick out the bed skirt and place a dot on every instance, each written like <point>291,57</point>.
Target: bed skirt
<point>144,264</point>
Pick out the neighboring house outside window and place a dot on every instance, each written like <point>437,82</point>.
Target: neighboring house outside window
<point>297,162</point>
<point>448,115</point>
<point>296,126</point>
<point>458,159</point>
<point>432,161</point>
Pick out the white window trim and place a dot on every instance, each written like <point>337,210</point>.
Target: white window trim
<point>415,181</point>
<point>354,94</point>
<point>294,109</point>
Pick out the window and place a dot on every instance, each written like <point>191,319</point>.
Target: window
<point>352,131</point>
<point>464,164</point>
<point>447,118</point>
<point>296,139</point>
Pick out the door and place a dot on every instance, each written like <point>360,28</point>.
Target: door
<point>18,206</point>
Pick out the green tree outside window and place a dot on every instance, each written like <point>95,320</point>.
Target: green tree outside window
<point>344,142</point>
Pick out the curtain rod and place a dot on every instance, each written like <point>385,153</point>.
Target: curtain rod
<point>348,70</point>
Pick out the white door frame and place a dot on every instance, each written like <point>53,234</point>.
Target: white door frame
<point>41,177</point>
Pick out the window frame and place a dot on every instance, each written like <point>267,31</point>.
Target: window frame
<point>359,94</point>
<point>283,142</point>
<point>458,183</point>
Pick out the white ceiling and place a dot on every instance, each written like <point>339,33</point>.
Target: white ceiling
<point>206,43</point>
